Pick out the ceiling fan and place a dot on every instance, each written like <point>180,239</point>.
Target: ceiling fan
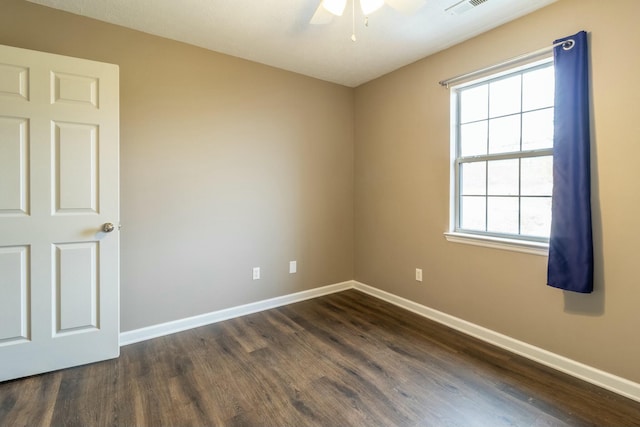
<point>327,9</point>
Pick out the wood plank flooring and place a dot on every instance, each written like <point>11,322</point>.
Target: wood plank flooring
<point>345,359</point>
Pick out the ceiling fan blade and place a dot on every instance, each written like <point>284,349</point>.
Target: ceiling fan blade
<point>335,6</point>
<point>322,16</point>
<point>406,6</point>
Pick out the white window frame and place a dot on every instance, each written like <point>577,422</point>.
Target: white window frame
<point>491,240</point>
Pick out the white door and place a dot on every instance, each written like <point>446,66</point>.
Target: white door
<point>59,272</point>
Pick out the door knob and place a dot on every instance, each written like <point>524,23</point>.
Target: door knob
<point>108,227</point>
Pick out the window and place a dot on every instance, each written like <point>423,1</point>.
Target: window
<point>502,147</point>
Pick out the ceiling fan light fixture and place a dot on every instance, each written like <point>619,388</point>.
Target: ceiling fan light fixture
<point>370,6</point>
<point>335,6</point>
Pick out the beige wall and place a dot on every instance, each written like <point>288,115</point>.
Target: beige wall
<point>402,194</point>
<point>225,165</point>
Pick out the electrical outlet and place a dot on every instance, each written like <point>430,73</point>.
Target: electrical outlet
<point>293,266</point>
<point>419,274</point>
<point>256,273</point>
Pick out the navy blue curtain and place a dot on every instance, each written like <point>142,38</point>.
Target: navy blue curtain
<point>570,244</point>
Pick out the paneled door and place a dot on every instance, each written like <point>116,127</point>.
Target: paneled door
<point>59,212</point>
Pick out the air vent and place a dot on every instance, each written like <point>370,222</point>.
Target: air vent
<point>463,6</point>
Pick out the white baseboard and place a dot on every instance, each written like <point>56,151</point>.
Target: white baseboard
<point>579,370</point>
<point>155,331</point>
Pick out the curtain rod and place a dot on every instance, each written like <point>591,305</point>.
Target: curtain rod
<point>566,45</point>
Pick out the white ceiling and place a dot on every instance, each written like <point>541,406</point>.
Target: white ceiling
<point>278,33</point>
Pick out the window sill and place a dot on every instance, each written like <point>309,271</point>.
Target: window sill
<point>529,247</point>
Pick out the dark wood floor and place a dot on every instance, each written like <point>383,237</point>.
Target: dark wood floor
<point>345,359</point>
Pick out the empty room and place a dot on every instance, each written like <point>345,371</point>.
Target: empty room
<point>319,213</point>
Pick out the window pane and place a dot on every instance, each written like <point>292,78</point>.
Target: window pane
<point>537,176</point>
<point>473,139</point>
<point>472,213</point>
<point>538,89</point>
<point>503,215</point>
<point>504,96</point>
<point>504,187</point>
<point>473,178</point>
<point>503,179</point>
<point>537,129</point>
<point>473,104</point>
<point>535,216</point>
<point>504,134</point>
